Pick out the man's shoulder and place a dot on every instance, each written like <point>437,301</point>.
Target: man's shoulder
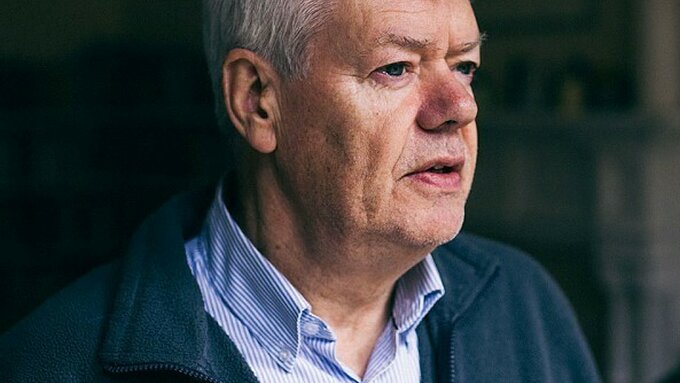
<point>59,339</point>
<point>494,289</point>
<point>467,245</point>
<point>471,266</point>
<point>481,253</point>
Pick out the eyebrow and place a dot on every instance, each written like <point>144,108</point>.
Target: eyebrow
<point>469,46</point>
<point>415,44</point>
<point>406,42</point>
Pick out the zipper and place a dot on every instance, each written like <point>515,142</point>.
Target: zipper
<point>162,367</point>
<point>452,357</point>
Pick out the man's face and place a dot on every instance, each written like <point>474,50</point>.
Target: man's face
<point>379,141</point>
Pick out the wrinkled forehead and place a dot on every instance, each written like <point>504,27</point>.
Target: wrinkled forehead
<point>442,25</point>
<point>360,29</point>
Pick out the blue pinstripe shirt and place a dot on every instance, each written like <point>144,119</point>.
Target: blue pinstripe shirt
<point>272,324</point>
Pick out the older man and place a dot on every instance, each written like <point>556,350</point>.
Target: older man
<point>321,258</point>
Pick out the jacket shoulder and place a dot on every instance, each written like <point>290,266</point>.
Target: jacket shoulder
<point>478,250</point>
<point>58,341</point>
<point>520,321</point>
<point>513,268</point>
<point>513,274</point>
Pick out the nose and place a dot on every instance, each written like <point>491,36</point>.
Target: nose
<point>447,101</point>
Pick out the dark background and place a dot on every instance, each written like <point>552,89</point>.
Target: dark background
<point>106,111</point>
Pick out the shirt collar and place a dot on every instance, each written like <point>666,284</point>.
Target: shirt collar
<point>271,307</point>
<point>266,302</point>
<point>415,294</point>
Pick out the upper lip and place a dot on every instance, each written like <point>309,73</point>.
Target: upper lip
<point>455,163</point>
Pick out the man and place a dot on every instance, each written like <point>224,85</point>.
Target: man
<point>321,258</point>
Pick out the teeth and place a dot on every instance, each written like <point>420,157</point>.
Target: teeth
<point>439,169</point>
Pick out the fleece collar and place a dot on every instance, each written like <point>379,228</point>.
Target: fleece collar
<point>158,321</point>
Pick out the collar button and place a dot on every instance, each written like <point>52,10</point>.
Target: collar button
<point>285,355</point>
<point>311,328</point>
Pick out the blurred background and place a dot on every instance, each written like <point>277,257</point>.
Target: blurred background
<point>106,111</point>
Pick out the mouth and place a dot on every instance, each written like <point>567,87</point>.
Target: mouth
<point>442,174</point>
<point>443,165</point>
<point>441,169</point>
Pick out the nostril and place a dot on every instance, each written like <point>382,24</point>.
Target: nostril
<point>449,122</point>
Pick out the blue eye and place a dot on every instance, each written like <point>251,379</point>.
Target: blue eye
<point>467,68</point>
<point>394,70</point>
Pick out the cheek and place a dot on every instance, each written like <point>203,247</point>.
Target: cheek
<point>393,123</point>
<point>469,134</point>
<point>322,136</point>
<point>387,152</point>
<point>366,129</point>
<point>470,137</point>
<point>312,123</point>
<point>351,133</point>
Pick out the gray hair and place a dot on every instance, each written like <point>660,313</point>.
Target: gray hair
<point>277,30</point>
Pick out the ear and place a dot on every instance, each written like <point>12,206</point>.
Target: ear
<point>248,86</point>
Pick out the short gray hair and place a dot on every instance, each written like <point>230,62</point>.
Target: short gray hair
<point>277,30</point>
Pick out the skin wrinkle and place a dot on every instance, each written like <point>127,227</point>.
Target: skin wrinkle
<point>370,203</point>
<point>332,206</point>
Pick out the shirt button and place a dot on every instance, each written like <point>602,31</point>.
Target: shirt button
<point>310,328</point>
<point>284,354</point>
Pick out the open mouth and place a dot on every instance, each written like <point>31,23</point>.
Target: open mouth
<point>443,174</point>
<point>440,169</point>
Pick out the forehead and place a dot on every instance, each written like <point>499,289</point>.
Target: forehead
<point>412,23</point>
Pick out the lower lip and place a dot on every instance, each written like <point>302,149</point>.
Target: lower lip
<point>448,182</point>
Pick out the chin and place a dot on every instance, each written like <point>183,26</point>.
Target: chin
<point>447,232</point>
<point>432,232</point>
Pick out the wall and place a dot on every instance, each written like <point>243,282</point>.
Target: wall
<point>105,111</point>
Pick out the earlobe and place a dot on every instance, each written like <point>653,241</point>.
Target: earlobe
<point>246,84</point>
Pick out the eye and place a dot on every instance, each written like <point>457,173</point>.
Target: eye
<point>468,68</point>
<point>394,69</point>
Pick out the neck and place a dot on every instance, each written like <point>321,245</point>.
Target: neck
<point>348,282</point>
<point>321,269</point>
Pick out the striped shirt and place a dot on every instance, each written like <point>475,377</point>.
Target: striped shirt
<point>272,324</point>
